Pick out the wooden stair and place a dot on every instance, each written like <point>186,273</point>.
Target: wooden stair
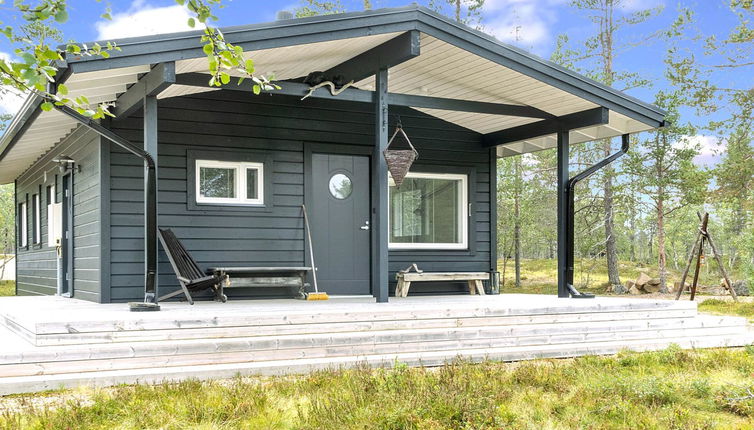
<point>153,349</point>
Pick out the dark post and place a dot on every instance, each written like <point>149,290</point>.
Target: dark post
<point>563,218</point>
<point>380,191</point>
<point>494,276</point>
<point>150,201</point>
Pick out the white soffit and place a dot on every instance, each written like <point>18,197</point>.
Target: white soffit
<point>287,62</point>
<point>618,124</point>
<point>49,128</point>
<point>444,70</point>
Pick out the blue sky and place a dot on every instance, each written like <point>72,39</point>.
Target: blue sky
<point>530,24</point>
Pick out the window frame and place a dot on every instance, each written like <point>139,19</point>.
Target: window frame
<point>463,215</point>
<point>23,225</point>
<point>36,214</point>
<point>239,183</point>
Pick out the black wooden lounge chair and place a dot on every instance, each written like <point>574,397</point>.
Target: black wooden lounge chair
<point>191,277</point>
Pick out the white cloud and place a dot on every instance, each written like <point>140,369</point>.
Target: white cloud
<point>709,148</point>
<point>522,22</point>
<point>10,98</point>
<point>635,5</point>
<point>141,19</point>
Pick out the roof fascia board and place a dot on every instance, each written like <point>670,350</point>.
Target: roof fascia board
<point>298,89</point>
<point>152,83</point>
<point>391,53</point>
<point>180,46</point>
<point>587,118</point>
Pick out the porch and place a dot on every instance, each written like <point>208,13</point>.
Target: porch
<point>52,342</point>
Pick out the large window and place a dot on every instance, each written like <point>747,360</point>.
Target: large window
<point>224,182</point>
<point>429,211</point>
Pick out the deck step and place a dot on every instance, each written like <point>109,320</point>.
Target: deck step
<point>51,361</point>
<point>154,374</point>
<point>409,333</point>
<point>401,321</point>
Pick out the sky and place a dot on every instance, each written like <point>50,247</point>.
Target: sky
<point>533,25</point>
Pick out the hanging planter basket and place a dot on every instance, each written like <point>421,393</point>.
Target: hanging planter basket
<point>399,161</point>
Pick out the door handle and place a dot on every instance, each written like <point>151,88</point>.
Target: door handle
<point>365,226</point>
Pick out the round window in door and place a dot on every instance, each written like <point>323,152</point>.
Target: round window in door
<point>340,186</point>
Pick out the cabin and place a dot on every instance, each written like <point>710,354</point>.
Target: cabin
<point>230,170</point>
<point>188,178</point>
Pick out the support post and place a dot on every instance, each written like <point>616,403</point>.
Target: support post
<point>380,190</point>
<point>150,201</point>
<point>563,218</point>
<point>494,275</point>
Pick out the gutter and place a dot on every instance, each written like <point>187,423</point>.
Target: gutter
<point>571,195</point>
<point>150,210</point>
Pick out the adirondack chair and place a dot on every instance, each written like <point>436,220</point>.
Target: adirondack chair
<point>191,277</point>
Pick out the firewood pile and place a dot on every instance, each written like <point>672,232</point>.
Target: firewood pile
<point>645,284</point>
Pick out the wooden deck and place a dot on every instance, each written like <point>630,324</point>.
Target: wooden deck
<point>52,342</point>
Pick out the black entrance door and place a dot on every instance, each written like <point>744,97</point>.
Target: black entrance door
<point>339,210</point>
<point>66,243</point>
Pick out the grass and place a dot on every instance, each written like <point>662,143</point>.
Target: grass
<point>7,288</point>
<point>728,307</point>
<point>539,276</point>
<point>670,389</point>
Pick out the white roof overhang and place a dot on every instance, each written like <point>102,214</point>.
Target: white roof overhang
<point>454,63</point>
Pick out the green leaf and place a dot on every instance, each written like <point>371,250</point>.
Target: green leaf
<point>62,89</point>
<point>207,49</point>
<point>224,78</point>
<point>257,89</point>
<point>191,22</point>
<point>61,16</point>
<point>46,106</point>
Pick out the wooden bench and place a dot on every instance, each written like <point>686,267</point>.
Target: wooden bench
<point>255,277</point>
<point>474,280</point>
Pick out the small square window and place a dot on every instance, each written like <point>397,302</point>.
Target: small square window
<point>222,182</point>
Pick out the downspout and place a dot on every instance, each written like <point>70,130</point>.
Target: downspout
<point>150,214</point>
<point>570,190</point>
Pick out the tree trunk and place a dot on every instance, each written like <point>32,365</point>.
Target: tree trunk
<point>611,249</point>
<point>458,10</point>
<point>661,256</point>
<point>517,221</point>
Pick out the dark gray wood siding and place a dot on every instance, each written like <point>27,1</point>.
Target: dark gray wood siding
<point>37,263</point>
<point>280,126</point>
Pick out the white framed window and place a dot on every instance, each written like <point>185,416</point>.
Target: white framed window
<point>37,217</point>
<point>23,225</point>
<point>429,211</point>
<point>229,183</point>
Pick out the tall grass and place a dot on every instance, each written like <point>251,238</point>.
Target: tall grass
<point>670,389</point>
<point>7,288</point>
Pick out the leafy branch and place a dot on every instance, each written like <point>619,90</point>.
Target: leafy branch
<point>224,57</point>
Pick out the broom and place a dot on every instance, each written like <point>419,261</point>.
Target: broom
<point>316,295</point>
